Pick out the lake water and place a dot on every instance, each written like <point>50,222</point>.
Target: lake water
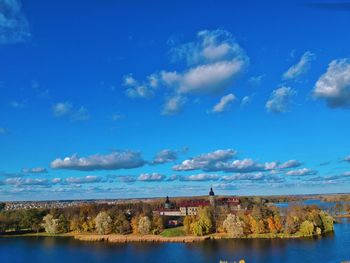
<point>330,248</point>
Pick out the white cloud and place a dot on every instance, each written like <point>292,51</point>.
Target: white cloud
<point>242,166</point>
<point>14,27</point>
<point>173,105</point>
<point>165,156</point>
<point>84,180</point>
<point>302,172</point>
<point>112,161</point>
<point>334,85</point>
<point>214,61</point>
<point>245,176</point>
<point>151,177</point>
<point>205,161</point>
<point>200,177</point>
<point>289,164</point>
<point>301,67</point>
<point>280,100</point>
<point>245,100</point>
<point>65,109</point>
<point>209,47</point>
<point>137,90</point>
<point>347,158</point>
<point>225,103</point>
<point>34,170</point>
<point>62,109</point>
<point>18,181</point>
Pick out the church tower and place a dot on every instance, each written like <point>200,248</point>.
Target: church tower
<point>211,197</point>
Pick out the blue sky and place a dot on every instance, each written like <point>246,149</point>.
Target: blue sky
<point>120,99</point>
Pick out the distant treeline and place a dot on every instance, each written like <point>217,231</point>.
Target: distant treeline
<point>256,219</point>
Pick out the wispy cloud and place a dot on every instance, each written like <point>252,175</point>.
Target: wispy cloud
<point>66,109</point>
<point>224,104</point>
<point>301,67</point>
<point>14,27</point>
<point>280,100</point>
<point>36,170</point>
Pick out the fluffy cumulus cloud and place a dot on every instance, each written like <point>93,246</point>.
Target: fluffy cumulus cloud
<point>165,156</point>
<point>83,180</point>
<point>302,172</point>
<point>151,177</point>
<point>66,109</point>
<point>112,161</point>
<point>334,85</point>
<point>224,103</point>
<point>205,161</point>
<point>14,27</point>
<point>280,100</point>
<point>301,67</point>
<point>36,170</point>
<point>243,166</point>
<point>213,61</point>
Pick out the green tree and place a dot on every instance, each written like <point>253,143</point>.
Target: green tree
<point>121,225</point>
<point>327,221</point>
<point>63,224</point>
<point>306,228</point>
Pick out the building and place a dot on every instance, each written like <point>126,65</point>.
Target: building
<point>190,207</point>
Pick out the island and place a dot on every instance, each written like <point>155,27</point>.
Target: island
<point>181,219</point>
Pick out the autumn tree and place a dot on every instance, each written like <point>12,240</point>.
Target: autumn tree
<point>233,226</point>
<point>188,223</point>
<point>121,225</point>
<point>203,224</point>
<point>50,224</point>
<point>157,224</point>
<point>144,226</point>
<point>103,223</point>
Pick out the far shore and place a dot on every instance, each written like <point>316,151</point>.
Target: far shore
<point>117,238</point>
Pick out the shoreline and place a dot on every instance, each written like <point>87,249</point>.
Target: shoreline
<point>132,238</point>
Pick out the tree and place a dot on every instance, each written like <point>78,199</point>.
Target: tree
<point>157,224</point>
<point>271,225</point>
<point>292,224</point>
<point>135,224</point>
<point>121,225</point>
<point>63,224</point>
<point>188,222</point>
<point>306,228</point>
<point>144,225</point>
<point>50,224</point>
<point>233,226</point>
<point>327,221</point>
<point>203,224</point>
<point>2,206</point>
<point>278,223</point>
<point>103,223</point>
